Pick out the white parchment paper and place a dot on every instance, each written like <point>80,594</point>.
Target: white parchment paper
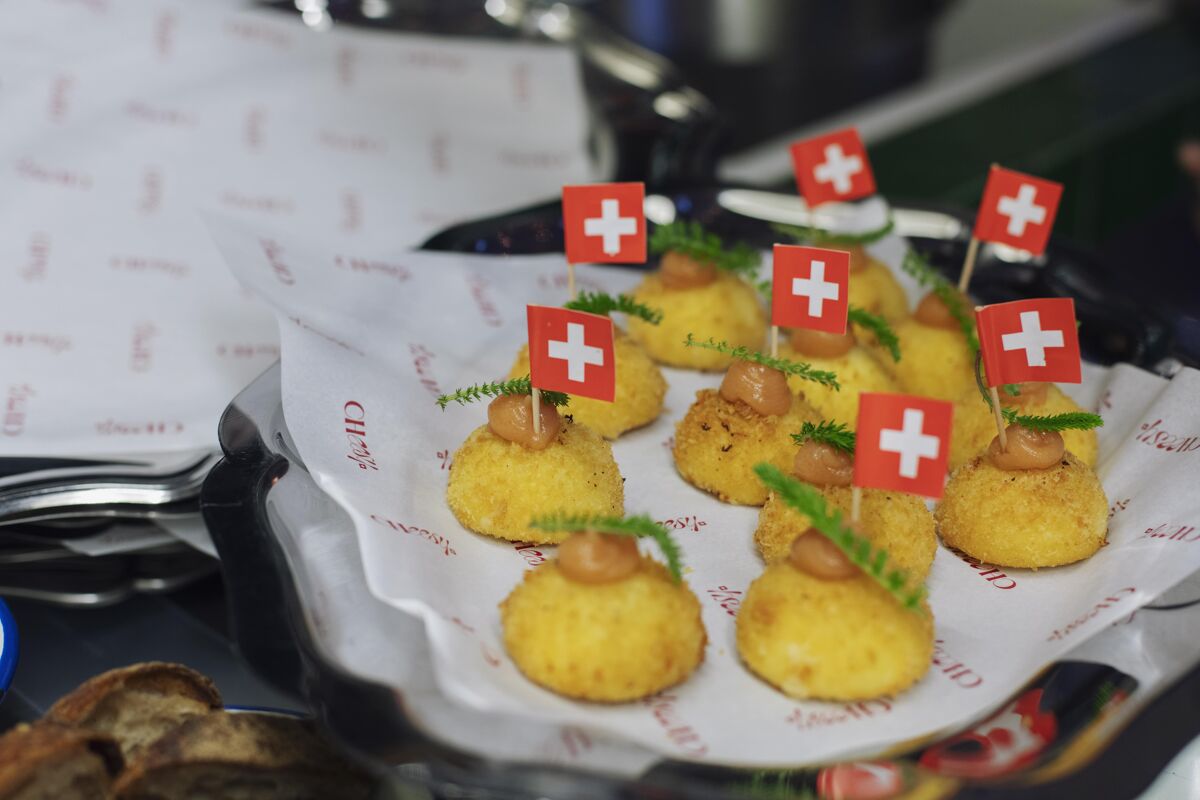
<point>460,319</point>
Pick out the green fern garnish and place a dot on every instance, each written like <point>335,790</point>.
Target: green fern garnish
<point>640,526</point>
<point>878,326</point>
<point>873,561</point>
<point>1069,421</point>
<point>690,239</point>
<point>822,236</point>
<point>835,434</point>
<point>606,304</point>
<point>743,353</point>
<point>496,388</point>
<point>1011,389</point>
<point>916,266</point>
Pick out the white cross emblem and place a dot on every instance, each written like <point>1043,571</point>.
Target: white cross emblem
<point>838,168</point>
<point>610,225</point>
<point>1032,339</point>
<point>1021,210</point>
<point>816,289</point>
<point>912,443</point>
<point>576,352</point>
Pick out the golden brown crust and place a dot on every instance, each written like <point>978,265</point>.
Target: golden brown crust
<point>33,756</point>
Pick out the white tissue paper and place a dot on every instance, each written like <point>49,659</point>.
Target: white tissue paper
<point>392,349</point>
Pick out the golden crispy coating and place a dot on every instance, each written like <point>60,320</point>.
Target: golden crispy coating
<point>937,362</point>
<point>1024,518</point>
<point>858,371</point>
<point>717,444</point>
<point>727,309</point>
<point>831,640</point>
<point>639,396</point>
<point>899,523</point>
<point>876,290</point>
<point>608,642</point>
<point>496,486</point>
<point>974,426</point>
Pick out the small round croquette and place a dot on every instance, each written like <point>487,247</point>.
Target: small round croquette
<point>831,639</point>
<point>497,487</point>
<point>717,444</point>
<point>857,371</point>
<point>607,642</point>
<point>975,427</point>
<point>935,362</point>
<point>728,309</point>
<point>1024,518</point>
<point>638,400</point>
<point>876,290</point>
<point>897,522</point>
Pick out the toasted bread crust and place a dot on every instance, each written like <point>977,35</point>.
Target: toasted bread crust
<point>30,752</point>
<point>160,677</point>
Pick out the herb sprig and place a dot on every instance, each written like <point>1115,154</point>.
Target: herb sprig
<point>606,304</point>
<point>873,561</point>
<point>743,353</point>
<point>920,269</point>
<point>823,236</point>
<point>479,391</point>
<point>1067,421</point>
<point>691,239</point>
<point>640,526</point>
<point>835,434</point>
<point>878,326</point>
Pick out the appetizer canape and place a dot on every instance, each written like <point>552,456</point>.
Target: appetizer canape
<point>1026,502</point>
<point>640,386</point>
<point>506,473</point>
<point>601,621</point>
<point>701,286</point>
<point>894,521</point>
<point>833,620</point>
<point>748,420</point>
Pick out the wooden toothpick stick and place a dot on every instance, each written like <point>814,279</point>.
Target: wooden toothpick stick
<point>1000,432</point>
<point>570,280</point>
<point>537,411</point>
<point>968,265</point>
<point>774,341</point>
<point>855,503</point>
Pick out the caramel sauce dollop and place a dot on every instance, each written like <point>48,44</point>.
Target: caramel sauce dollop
<point>815,555</point>
<point>762,388</point>
<point>591,557</point>
<point>822,464</point>
<point>679,271</point>
<point>510,416</point>
<point>819,344</point>
<point>1027,449</point>
<point>933,312</point>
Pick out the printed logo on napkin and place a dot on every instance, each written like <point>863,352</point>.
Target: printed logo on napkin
<point>1030,340</point>
<point>903,443</point>
<point>572,352</point>
<point>811,288</point>
<point>604,223</point>
<point>832,167</point>
<point>1017,210</point>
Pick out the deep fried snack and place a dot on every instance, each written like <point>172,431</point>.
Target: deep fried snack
<point>974,425</point>
<point>857,371</point>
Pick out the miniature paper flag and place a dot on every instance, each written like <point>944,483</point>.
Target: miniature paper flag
<point>1030,340</point>
<point>832,167</point>
<point>572,352</point>
<point>605,223</point>
<point>902,443</point>
<point>1017,210</point>
<point>811,288</point>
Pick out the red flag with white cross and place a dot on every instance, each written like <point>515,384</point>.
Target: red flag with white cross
<point>1030,340</point>
<point>1017,210</point>
<point>605,223</point>
<point>572,352</point>
<point>810,288</point>
<point>832,167</point>
<point>902,443</point>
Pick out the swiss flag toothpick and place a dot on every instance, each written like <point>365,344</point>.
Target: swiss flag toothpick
<point>572,352</point>
<point>832,167</point>
<point>810,288</point>
<point>604,223</point>
<point>902,443</point>
<point>1030,340</point>
<point>1017,210</point>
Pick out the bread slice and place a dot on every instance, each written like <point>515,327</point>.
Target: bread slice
<point>45,761</point>
<point>137,704</point>
<point>226,756</point>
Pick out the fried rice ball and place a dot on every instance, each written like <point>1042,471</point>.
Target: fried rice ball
<point>728,309</point>
<point>857,371</point>
<point>717,444</point>
<point>897,522</point>
<point>831,639</point>
<point>639,391</point>
<point>875,289</point>
<point>1024,518</point>
<point>496,486</point>
<point>607,642</point>
<point>937,362</point>
<point>974,425</point>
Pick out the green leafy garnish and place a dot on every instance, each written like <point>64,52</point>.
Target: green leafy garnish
<point>1011,389</point>
<point>872,560</point>
<point>835,434</point>
<point>822,236</point>
<point>640,526</point>
<point>496,388</point>
<point>606,304</point>
<point>1069,421</point>
<point>916,265</point>
<point>743,353</point>
<point>690,239</point>
<point>878,326</point>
